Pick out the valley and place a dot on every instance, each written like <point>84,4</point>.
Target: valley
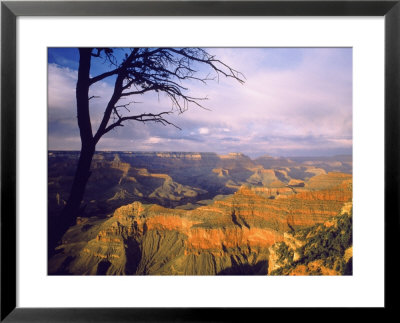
<point>176,213</point>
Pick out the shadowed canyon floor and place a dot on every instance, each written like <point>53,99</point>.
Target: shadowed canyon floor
<point>204,214</point>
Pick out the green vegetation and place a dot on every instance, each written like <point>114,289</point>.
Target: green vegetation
<point>321,242</point>
<point>171,232</point>
<point>285,254</point>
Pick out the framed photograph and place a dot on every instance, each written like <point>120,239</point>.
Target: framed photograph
<point>195,160</point>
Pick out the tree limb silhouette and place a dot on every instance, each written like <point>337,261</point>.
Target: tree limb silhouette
<point>136,71</point>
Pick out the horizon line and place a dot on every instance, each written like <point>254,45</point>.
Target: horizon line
<point>199,152</point>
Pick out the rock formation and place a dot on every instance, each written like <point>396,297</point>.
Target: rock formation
<point>230,235</point>
<point>322,249</point>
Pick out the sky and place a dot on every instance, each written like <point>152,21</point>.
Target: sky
<point>294,102</point>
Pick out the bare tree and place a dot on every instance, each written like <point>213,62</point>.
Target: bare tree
<point>141,70</point>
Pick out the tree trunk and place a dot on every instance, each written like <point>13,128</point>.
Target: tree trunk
<point>72,208</point>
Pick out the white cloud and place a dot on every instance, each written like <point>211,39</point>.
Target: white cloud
<point>154,140</point>
<point>204,131</point>
<point>284,98</point>
<point>61,87</point>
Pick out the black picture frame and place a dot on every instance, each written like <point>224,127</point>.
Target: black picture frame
<point>10,10</point>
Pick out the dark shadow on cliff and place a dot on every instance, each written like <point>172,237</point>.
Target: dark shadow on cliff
<point>259,268</point>
<point>133,256</point>
<point>52,237</point>
<point>348,270</point>
<point>102,267</point>
<point>63,270</point>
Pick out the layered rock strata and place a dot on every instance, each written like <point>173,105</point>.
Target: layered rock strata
<point>232,235</point>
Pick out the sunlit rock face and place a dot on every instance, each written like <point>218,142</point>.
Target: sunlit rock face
<point>321,249</point>
<point>234,234</point>
<point>178,179</point>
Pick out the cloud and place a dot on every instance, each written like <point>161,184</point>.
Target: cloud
<point>204,131</point>
<point>61,88</point>
<point>294,101</point>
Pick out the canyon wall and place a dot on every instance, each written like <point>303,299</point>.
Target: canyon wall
<point>232,235</point>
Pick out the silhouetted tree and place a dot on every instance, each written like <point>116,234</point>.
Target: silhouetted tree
<point>142,70</point>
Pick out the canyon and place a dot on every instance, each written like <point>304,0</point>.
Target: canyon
<point>174,213</point>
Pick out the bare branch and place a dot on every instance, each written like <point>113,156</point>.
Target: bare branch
<point>160,70</point>
<point>212,62</point>
<point>103,76</point>
<point>145,117</point>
